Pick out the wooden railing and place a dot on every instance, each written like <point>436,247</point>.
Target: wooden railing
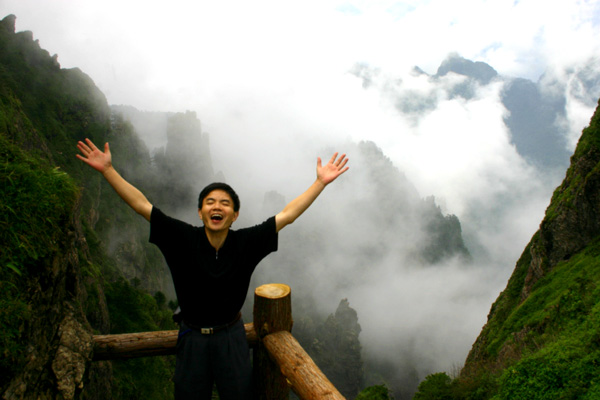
<point>280,363</point>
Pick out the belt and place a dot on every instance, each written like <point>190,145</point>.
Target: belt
<point>213,329</point>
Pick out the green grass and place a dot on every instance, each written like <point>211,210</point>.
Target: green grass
<point>567,368</point>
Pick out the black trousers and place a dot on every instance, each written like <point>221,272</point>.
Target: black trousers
<point>222,358</point>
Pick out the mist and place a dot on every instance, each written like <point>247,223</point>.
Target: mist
<point>276,87</point>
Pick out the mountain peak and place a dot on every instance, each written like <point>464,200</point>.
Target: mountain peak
<point>8,23</point>
<point>477,70</point>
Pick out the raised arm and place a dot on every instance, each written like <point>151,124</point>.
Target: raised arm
<point>325,175</point>
<point>102,162</point>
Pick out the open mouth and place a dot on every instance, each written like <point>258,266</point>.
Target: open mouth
<point>216,217</point>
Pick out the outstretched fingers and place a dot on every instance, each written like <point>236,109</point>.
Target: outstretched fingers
<point>333,157</point>
<point>341,162</point>
<point>83,148</point>
<point>86,148</point>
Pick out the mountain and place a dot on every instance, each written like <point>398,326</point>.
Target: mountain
<point>532,112</point>
<point>541,339</point>
<point>480,71</point>
<point>535,110</point>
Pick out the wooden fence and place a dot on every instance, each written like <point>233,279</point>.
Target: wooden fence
<point>280,363</point>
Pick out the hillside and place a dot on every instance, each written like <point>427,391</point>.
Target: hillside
<point>541,340</point>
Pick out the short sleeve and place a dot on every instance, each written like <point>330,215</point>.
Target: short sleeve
<point>166,232</point>
<point>259,240</point>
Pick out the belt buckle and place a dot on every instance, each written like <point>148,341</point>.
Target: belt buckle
<point>206,331</point>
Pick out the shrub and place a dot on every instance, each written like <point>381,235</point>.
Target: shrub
<point>378,392</point>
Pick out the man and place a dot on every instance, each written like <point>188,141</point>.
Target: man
<point>211,268</point>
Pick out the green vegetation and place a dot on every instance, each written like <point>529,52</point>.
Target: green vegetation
<point>133,310</point>
<point>62,105</point>
<point>37,200</point>
<point>435,387</point>
<point>563,359</point>
<point>564,196</point>
<point>378,392</point>
<point>334,346</point>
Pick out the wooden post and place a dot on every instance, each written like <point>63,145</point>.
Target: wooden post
<point>306,379</point>
<point>272,313</point>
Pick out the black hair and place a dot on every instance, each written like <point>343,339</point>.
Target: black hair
<point>220,186</point>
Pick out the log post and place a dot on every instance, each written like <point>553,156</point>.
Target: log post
<point>272,313</point>
<point>306,379</point>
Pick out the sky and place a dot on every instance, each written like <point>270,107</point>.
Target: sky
<point>272,85</point>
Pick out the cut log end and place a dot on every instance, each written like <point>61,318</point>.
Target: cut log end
<point>273,291</point>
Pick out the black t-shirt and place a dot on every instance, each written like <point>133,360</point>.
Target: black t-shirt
<point>211,286</point>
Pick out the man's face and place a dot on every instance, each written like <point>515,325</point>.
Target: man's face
<point>217,211</point>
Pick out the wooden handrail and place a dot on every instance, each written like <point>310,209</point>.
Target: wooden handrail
<point>133,345</point>
<point>306,379</point>
<point>146,344</point>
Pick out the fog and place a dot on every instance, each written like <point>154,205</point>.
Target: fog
<point>275,87</point>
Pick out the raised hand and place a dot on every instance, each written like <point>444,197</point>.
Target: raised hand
<point>335,167</point>
<point>325,175</point>
<point>93,157</point>
<point>102,161</point>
